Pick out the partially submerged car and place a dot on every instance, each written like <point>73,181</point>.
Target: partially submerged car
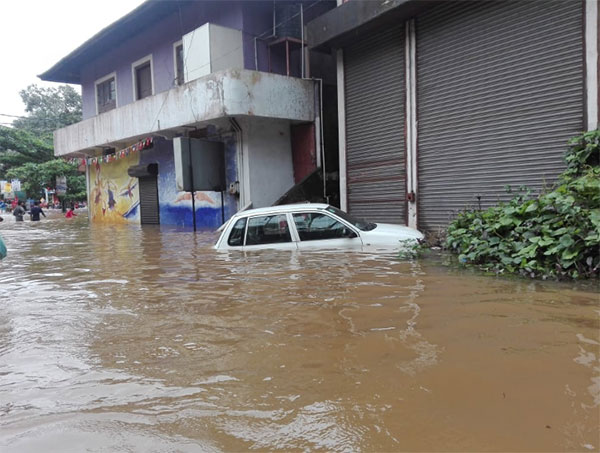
<point>310,226</point>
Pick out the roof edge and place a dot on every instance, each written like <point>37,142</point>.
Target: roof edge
<point>67,70</point>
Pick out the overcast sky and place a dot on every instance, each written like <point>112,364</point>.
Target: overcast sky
<point>36,34</point>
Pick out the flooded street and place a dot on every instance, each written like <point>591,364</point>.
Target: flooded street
<point>122,339</point>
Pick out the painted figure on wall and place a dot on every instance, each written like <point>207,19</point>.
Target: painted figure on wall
<point>114,195</point>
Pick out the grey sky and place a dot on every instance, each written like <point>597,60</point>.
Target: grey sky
<point>35,34</point>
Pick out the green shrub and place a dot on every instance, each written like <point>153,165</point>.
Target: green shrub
<point>554,235</point>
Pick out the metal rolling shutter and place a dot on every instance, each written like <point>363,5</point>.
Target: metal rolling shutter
<point>149,200</point>
<point>374,85</point>
<point>500,90</point>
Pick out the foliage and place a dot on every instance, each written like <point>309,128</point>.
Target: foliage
<point>18,147</point>
<point>49,109</point>
<point>412,249</point>
<point>36,177</point>
<point>26,150</point>
<point>554,235</point>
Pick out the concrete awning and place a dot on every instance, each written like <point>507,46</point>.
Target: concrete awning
<point>341,25</point>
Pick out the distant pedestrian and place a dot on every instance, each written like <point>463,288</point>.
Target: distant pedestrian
<point>70,214</point>
<point>36,211</point>
<point>19,212</point>
<point>2,206</point>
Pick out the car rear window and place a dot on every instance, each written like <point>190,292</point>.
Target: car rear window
<point>236,237</point>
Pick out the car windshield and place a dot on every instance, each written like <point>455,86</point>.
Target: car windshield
<point>358,223</point>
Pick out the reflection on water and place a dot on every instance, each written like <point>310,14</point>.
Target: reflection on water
<point>129,339</point>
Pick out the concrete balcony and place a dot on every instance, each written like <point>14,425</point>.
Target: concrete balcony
<point>229,93</point>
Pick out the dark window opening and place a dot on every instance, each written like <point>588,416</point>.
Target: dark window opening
<point>143,81</point>
<point>106,93</point>
<point>179,64</point>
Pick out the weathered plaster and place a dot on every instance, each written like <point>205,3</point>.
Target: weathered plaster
<point>221,94</point>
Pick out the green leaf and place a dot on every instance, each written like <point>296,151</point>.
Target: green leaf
<point>566,241</point>
<point>569,254</point>
<point>532,207</point>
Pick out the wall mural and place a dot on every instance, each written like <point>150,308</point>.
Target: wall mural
<point>114,195</point>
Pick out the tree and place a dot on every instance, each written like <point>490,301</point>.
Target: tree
<point>35,177</point>
<point>49,109</point>
<point>18,147</point>
<point>26,150</point>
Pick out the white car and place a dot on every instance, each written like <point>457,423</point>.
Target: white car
<point>310,226</point>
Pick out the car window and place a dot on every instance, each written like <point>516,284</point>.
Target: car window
<point>358,223</point>
<point>268,229</point>
<point>236,237</point>
<point>313,226</point>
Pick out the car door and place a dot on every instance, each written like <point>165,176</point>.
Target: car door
<point>320,230</point>
<point>268,232</point>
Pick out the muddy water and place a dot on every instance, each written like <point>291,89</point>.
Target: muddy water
<point>121,339</point>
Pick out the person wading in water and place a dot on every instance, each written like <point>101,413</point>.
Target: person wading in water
<point>36,211</point>
<point>19,212</point>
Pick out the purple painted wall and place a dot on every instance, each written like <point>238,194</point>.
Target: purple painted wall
<point>254,18</point>
<point>158,41</point>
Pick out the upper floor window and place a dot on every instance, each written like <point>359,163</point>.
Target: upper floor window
<point>142,78</point>
<point>106,93</point>
<point>178,59</point>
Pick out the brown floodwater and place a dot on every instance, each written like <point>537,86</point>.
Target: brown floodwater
<point>129,339</point>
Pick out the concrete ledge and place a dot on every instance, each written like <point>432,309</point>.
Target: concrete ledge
<point>226,93</point>
<point>336,27</point>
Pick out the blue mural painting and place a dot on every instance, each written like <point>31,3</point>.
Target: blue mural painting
<point>175,207</point>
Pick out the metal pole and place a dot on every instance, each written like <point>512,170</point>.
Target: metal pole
<point>302,33</point>
<point>192,183</point>
<point>222,208</point>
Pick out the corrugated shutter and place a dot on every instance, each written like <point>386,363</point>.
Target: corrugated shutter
<point>374,84</point>
<point>149,200</point>
<point>500,91</point>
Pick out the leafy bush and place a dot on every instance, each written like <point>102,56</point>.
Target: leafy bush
<point>554,235</point>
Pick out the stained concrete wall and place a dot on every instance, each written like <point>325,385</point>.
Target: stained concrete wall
<point>218,95</point>
<point>157,41</point>
<point>267,148</point>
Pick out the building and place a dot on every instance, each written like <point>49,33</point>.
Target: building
<point>227,85</point>
<point>442,104</point>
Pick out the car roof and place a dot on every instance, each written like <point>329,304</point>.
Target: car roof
<point>282,208</point>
